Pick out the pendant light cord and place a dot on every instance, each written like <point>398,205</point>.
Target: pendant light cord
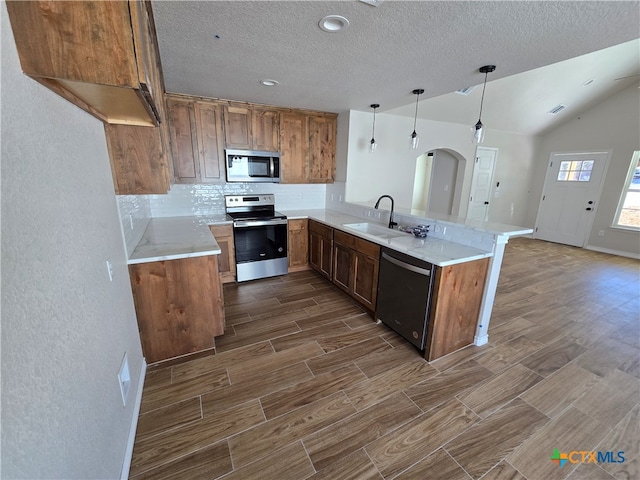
<point>373,130</point>
<point>482,99</point>
<point>415,117</point>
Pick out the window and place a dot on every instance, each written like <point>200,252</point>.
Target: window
<point>575,171</point>
<point>628,214</point>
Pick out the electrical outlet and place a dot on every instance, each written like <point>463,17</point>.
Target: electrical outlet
<point>124,379</point>
<point>110,270</point>
<point>601,233</point>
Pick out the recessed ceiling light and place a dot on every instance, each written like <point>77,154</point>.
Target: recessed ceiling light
<point>269,83</point>
<point>333,23</point>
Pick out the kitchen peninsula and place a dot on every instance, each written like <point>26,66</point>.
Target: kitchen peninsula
<point>178,256</point>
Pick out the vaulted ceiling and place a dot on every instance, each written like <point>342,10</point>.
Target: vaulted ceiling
<point>222,49</point>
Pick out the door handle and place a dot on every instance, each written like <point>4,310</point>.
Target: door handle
<point>588,209</point>
<point>486,203</point>
<point>590,202</point>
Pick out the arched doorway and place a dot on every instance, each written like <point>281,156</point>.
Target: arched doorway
<point>438,182</point>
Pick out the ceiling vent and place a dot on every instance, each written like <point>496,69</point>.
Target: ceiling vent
<point>465,91</point>
<point>557,109</point>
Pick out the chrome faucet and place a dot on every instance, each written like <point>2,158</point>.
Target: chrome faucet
<point>391,222</point>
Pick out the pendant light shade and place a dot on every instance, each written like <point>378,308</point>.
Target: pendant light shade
<point>478,128</point>
<point>372,144</point>
<point>414,139</point>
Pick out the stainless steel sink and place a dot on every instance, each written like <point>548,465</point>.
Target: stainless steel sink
<point>374,229</point>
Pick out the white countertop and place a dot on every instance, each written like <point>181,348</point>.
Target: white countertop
<point>171,238</point>
<point>437,251</point>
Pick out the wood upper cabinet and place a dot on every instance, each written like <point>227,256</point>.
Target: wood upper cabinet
<point>294,147</point>
<point>138,156</point>
<point>249,127</point>
<point>321,248</point>
<point>265,129</point>
<point>455,307</point>
<point>322,149</point>
<point>196,140</point>
<point>237,127</point>
<point>101,56</point>
<point>298,244</point>
<point>307,147</point>
<point>227,259</point>
<point>355,267</point>
<point>179,306</point>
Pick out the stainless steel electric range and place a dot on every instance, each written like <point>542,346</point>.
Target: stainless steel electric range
<point>260,236</point>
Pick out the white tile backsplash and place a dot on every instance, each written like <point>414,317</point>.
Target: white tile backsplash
<point>134,215</point>
<point>208,199</point>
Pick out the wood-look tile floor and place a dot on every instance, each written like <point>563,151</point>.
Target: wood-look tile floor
<point>304,385</point>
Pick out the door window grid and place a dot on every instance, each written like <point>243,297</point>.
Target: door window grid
<point>575,171</point>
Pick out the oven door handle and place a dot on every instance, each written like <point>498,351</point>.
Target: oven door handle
<point>258,223</point>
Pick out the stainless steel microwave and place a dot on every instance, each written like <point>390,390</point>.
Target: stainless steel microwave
<point>252,166</point>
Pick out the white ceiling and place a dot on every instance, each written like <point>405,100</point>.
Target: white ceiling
<point>389,50</point>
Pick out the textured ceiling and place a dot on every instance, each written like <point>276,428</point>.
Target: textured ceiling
<point>389,50</point>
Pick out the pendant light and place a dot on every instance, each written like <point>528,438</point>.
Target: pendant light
<point>414,136</point>
<point>478,128</point>
<point>372,144</point>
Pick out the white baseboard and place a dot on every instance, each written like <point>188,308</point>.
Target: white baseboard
<point>126,465</point>
<point>481,340</point>
<point>614,252</point>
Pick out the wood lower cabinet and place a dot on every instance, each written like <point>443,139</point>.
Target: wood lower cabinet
<point>298,244</point>
<point>179,306</point>
<point>355,267</point>
<point>321,248</point>
<point>455,307</point>
<point>227,259</point>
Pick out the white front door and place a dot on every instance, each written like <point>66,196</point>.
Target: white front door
<point>481,183</point>
<point>570,196</point>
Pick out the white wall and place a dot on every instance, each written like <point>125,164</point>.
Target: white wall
<point>391,169</point>
<point>65,327</point>
<point>613,125</point>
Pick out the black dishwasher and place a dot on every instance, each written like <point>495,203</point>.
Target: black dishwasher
<point>404,295</point>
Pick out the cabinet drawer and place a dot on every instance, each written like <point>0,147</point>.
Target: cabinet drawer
<point>295,225</point>
<point>358,244</point>
<point>320,229</point>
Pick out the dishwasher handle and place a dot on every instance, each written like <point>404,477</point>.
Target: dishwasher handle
<point>406,266</point>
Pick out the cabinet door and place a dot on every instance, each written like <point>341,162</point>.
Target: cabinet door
<point>227,259</point>
<point>183,142</point>
<point>138,158</point>
<point>455,307</point>
<point>322,149</point>
<point>298,246</point>
<point>178,304</point>
<point>209,134</point>
<point>294,141</point>
<point>265,130</point>
<point>237,123</point>
<point>320,254</point>
<point>364,287</point>
<point>342,268</point>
